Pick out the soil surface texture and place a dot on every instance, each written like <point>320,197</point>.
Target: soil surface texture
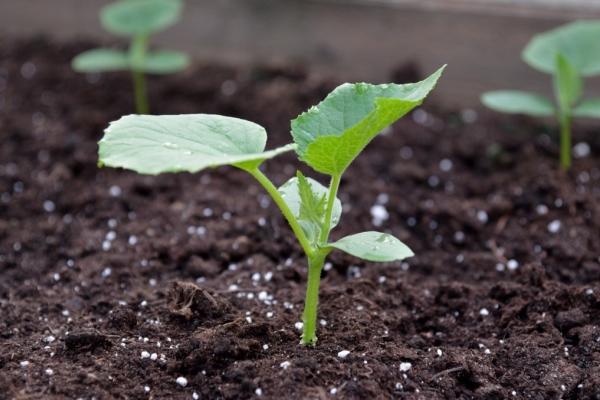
<point>115,285</point>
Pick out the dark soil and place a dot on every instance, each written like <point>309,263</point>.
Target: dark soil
<point>114,285</point>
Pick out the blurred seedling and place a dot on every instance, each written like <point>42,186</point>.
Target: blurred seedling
<point>568,53</point>
<point>138,19</point>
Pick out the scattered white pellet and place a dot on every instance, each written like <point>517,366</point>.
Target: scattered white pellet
<point>262,222</point>
<point>145,354</point>
<point>181,381</point>
<point>268,276</point>
<point>106,272</point>
<point>114,191</point>
<point>233,288</point>
<point>24,363</point>
<point>299,325</point>
<point>195,396</point>
<point>49,206</point>
<point>106,245</point>
<point>446,165</point>
<point>132,240</point>
<point>146,388</point>
<point>258,391</point>
<point>322,322</point>
<point>49,371</point>
<point>333,390</point>
<point>554,226</point>
<point>500,267</point>
<point>581,149</point>
<point>487,351</point>
<point>110,236</point>
<point>484,312</point>
<point>249,319</point>
<point>262,295</point>
<point>512,265</point>
<point>589,292</point>
<point>405,366</point>
<point>542,209</point>
<point>482,216</point>
<point>343,354</point>
<point>269,314</point>
<point>265,347</point>
<point>439,352</point>
<point>285,364</point>
<point>256,277</point>
<point>49,339</point>
<point>153,356</point>
<point>379,214</point>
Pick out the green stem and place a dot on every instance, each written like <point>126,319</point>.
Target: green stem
<point>289,215</point>
<point>309,316</point>
<point>333,189</point>
<point>137,53</point>
<point>565,141</point>
<point>141,95</point>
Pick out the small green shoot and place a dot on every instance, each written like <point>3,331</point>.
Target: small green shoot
<point>568,53</point>
<point>327,137</point>
<point>137,19</point>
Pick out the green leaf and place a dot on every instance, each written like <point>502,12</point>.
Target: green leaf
<point>517,102</point>
<point>587,108</point>
<point>567,83</point>
<point>373,246</point>
<point>331,134</point>
<point>100,60</point>
<point>164,62</point>
<point>307,200</point>
<point>312,205</point>
<point>578,41</point>
<point>170,143</point>
<point>131,17</point>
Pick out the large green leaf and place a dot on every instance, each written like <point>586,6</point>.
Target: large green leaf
<point>517,102</point>
<point>588,108</point>
<point>331,134</point>
<point>578,41</point>
<point>131,17</point>
<point>170,143</point>
<point>100,60</point>
<point>164,62</point>
<point>307,204</point>
<point>567,83</point>
<point>373,246</point>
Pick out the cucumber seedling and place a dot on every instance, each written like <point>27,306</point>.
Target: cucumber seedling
<point>137,19</point>
<point>568,53</point>
<point>328,137</point>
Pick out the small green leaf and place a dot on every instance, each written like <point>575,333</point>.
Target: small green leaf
<point>131,17</point>
<point>170,143</point>
<point>164,62</point>
<point>588,108</point>
<point>373,246</point>
<point>307,202</point>
<point>100,60</point>
<point>517,102</point>
<point>578,41</point>
<point>331,134</point>
<point>567,83</point>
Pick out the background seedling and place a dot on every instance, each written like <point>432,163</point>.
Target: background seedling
<point>137,19</point>
<point>327,137</point>
<point>568,53</point>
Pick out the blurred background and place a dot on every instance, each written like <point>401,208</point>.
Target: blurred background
<point>359,40</point>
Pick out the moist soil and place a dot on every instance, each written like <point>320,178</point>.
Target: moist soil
<point>115,285</point>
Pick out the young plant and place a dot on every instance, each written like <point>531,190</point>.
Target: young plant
<point>568,53</point>
<point>137,19</point>
<point>327,137</point>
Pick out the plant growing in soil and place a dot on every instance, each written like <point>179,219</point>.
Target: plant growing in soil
<point>137,19</point>
<point>568,53</point>
<point>328,137</point>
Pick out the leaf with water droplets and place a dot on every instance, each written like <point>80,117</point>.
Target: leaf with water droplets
<point>331,134</point>
<point>152,144</point>
<point>373,246</point>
